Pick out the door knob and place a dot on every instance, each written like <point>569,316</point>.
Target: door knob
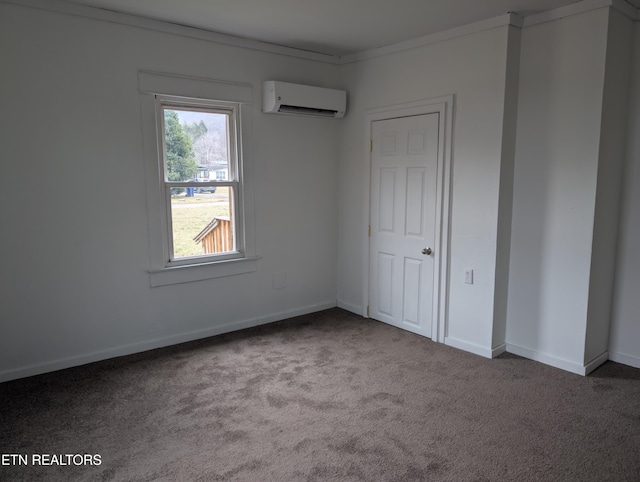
<point>427,251</point>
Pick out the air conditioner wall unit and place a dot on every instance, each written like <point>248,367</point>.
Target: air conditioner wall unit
<point>295,99</point>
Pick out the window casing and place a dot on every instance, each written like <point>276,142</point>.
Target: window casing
<point>169,263</point>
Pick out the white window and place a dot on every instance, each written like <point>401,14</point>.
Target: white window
<point>201,212</point>
<point>200,225</point>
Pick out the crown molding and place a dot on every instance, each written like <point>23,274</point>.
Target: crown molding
<point>58,6</point>
<point>622,6</point>
<point>626,7</point>
<point>507,19</point>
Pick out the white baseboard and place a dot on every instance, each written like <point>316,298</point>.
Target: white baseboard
<point>632,361</point>
<point>596,362</point>
<point>345,305</point>
<point>470,347</point>
<point>498,350</point>
<point>62,363</point>
<point>550,360</point>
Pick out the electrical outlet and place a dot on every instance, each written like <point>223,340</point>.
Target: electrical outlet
<point>279,280</point>
<point>468,276</point>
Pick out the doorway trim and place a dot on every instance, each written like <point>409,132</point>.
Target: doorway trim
<point>445,107</point>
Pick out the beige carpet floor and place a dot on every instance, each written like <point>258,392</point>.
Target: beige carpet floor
<point>328,396</point>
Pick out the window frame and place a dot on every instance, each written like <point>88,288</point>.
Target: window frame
<point>164,102</point>
<point>157,91</point>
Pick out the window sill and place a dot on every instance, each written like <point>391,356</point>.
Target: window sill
<point>202,271</point>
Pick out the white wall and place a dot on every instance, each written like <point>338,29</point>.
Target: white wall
<point>612,152</point>
<point>625,326</point>
<point>505,206</point>
<point>559,119</point>
<point>473,68</point>
<point>74,285</point>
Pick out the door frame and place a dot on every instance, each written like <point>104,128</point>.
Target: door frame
<point>443,106</point>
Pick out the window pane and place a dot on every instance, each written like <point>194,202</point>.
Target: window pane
<point>196,145</point>
<point>202,221</point>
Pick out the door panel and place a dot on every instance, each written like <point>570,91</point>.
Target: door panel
<point>412,277</point>
<point>403,189</point>
<point>385,283</point>
<point>387,199</point>
<point>415,202</point>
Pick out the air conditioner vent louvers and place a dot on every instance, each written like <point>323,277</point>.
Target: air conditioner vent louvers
<point>292,109</point>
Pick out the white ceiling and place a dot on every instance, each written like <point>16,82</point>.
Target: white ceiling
<point>336,27</point>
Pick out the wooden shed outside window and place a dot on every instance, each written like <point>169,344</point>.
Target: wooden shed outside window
<point>217,236</point>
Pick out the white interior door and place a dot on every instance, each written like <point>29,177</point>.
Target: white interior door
<point>404,162</point>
